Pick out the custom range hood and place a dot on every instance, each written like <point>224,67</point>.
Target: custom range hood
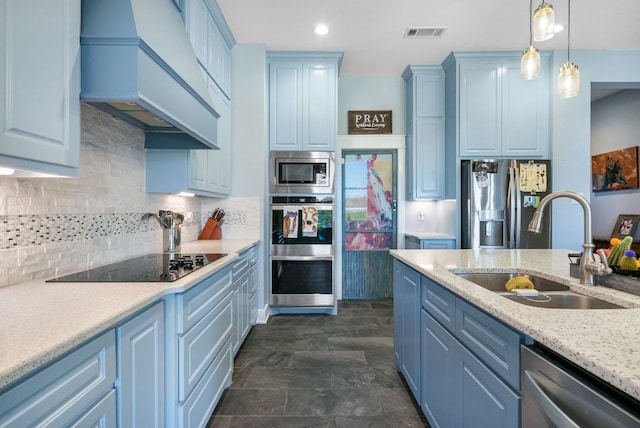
<point>138,64</point>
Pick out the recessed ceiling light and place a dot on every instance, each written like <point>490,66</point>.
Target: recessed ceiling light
<point>321,29</point>
<point>6,171</point>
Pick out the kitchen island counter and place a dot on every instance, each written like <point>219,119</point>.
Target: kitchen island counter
<point>41,321</point>
<point>604,342</point>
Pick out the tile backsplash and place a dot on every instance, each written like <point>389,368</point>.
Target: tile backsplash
<point>54,226</point>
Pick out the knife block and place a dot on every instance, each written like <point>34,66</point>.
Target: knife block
<point>217,234</point>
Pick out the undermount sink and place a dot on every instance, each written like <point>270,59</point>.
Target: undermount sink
<point>554,295</point>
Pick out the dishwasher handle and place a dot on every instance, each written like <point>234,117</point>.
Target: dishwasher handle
<point>551,409</point>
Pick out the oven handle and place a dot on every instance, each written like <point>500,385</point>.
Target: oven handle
<point>302,258</point>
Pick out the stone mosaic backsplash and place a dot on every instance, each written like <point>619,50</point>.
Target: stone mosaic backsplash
<point>28,230</point>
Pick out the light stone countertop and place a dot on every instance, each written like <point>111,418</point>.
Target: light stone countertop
<point>605,342</point>
<point>40,321</point>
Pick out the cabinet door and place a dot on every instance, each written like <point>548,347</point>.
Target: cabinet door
<point>198,164</point>
<point>484,401</point>
<point>101,414</point>
<point>40,90</point>
<point>439,374</point>
<point>480,114</point>
<point>429,94</point>
<point>525,128</point>
<point>428,167</point>
<point>285,105</point>
<point>197,26</point>
<point>319,107</point>
<point>141,354</point>
<point>407,312</point>
<point>219,161</point>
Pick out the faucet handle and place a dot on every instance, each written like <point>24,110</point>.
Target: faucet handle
<point>604,261</point>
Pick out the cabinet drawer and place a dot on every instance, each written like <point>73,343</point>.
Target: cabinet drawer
<point>495,344</point>
<point>58,394</point>
<point>240,266</point>
<point>101,414</point>
<point>200,300</point>
<point>201,344</point>
<point>197,410</point>
<point>437,244</point>
<point>439,303</point>
<point>252,255</point>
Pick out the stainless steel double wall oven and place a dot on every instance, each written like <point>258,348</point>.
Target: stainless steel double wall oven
<point>302,245</point>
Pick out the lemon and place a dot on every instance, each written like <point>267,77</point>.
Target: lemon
<point>518,282</point>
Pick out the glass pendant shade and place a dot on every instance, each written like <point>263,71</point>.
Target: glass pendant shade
<point>543,22</point>
<point>568,80</point>
<point>530,63</point>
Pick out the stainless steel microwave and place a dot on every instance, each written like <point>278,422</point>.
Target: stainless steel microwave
<point>302,172</point>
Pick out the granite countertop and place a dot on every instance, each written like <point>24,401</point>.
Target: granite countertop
<point>605,342</point>
<point>40,321</point>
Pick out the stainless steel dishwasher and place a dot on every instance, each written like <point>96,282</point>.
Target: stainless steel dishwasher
<point>557,394</point>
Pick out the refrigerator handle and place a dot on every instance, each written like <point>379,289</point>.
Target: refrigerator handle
<point>511,208</point>
<point>518,200</point>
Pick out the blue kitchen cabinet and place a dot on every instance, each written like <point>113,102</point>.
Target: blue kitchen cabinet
<point>200,357</point>
<point>303,100</point>
<point>77,387</point>
<point>252,254</point>
<point>202,172</point>
<point>40,91</point>
<point>469,361</point>
<point>440,377</point>
<point>211,39</point>
<point>406,310</point>
<point>414,243</point>
<point>496,112</point>
<point>425,132</point>
<point>241,295</point>
<point>141,361</point>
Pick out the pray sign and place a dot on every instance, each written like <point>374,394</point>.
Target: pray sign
<point>370,122</point>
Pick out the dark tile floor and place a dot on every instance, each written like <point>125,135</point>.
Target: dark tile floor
<point>320,371</point>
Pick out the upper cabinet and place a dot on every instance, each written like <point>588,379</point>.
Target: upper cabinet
<point>425,132</point>
<point>40,91</point>
<point>211,40</point>
<point>303,100</point>
<point>202,172</point>
<point>498,114</point>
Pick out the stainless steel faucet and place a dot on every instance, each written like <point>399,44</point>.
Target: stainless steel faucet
<point>589,267</point>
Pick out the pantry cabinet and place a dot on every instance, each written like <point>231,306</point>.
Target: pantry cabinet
<point>496,112</point>
<point>40,91</point>
<point>303,100</point>
<point>425,132</point>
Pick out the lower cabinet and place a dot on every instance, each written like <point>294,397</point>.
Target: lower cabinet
<point>406,317</point>
<point>413,243</point>
<point>141,369</point>
<point>79,387</point>
<point>468,361</point>
<point>167,365</point>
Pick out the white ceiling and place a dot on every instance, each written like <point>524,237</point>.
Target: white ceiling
<point>370,32</point>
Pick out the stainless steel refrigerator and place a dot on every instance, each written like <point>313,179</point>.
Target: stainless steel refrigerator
<point>499,198</point>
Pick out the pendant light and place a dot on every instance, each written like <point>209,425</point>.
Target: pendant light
<point>569,77</point>
<point>530,61</point>
<point>543,22</point>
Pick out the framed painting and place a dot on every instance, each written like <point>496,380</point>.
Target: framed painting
<point>616,170</point>
<point>626,225</point>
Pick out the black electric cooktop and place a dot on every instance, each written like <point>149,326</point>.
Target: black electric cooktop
<point>166,267</point>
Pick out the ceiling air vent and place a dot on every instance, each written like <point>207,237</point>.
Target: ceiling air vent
<point>424,32</point>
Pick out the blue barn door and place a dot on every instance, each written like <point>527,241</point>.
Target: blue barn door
<point>369,230</point>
